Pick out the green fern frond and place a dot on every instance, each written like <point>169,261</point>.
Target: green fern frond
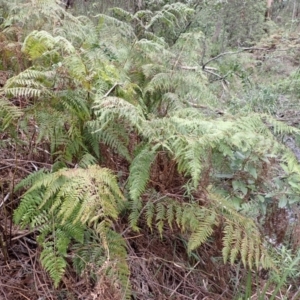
<point>242,238</point>
<point>30,179</point>
<point>121,28</point>
<point>228,237</point>
<point>155,38</point>
<point>65,203</point>
<point>140,172</point>
<point>87,160</point>
<point>280,127</point>
<point>171,213</point>
<point>53,263</point>
<point>188,221</point>
<point>29,83</point>
<point>120,272</point>
<point>89,252</point>
<point>198,221</point>
<point>8,113</point>
<point>203,232</point>
<point>62,241</point>
<point>151,49</point>
<point>190,160</point>
<point>235,246</point>
<point>37,43</point>
<point>135,210</point>
<point>113,106</point>
<point>137,181</point>
<point>171,14</point>
<point>28,208</point>
<point>149,213</point>
<point>113,135</point>
<point>121,14</point>
<point>73,231</point>
<point>23,92</point>
<point>75,102</point>
<point>290,163</point>
<point>160,217</point>
<point>77,69</point>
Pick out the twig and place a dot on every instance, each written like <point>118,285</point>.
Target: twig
<point>180,283</point>
<point>296,295</point>
<point>220,55</point>
<point>196,68</point>
<point>29,161</point>
<point>5,198</point>
<point>210,71</point>
<point>196,105</point>
<point>237,52</point>
<point>181,295</point>
<point>24,234</point>
<point>111,89</point>
<point>15,166</point>
<point>217,75</point>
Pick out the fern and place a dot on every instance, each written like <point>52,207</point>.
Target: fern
<point>63,205</point>
<point>53,263</point>
<point>135,76</point>
<point>140,172</point>
<point>8,113</point>
<point>39,43</point>
<point>91,259</point>
<point>242,238</point>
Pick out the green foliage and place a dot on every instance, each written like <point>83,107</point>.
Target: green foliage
<point>90,258</point>
<point>203,148</point>
<point>63,205</point>
<point>165,22</point>
<point>288,264</point>
<point>9,113</point>
<point>134,83</point>
<point>232,23</point>
<point>242,239</point>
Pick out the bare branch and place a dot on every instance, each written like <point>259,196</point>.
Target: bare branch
<point>237,52</point>
<point>111,89</point>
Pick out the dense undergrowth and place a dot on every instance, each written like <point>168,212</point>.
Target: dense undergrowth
<point>148,153</point>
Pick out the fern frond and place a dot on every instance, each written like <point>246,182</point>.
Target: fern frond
<point>170,14</point>
<point>121,28</point>
<point>135,210</point>
<point>28,209</point>
<point>121,14</point>
<point>171,213</point>
<point>53,263</point>
<point>203,232</point>
<point>160,217</point>
<point>227,240</point>
<point>65,203</point>
<point>113,135</point>
<point>30,179</point>
<point>149,213</point>
<point>77,69</point>
<point>37,43</point>
<point>23,92</point>
<point>87,160</point>
<point>120,272</point>
<point>242,238</point>
<point>140,172</point>
<point>8,113</point>
<point>113,106</point>
<point>278,126</point>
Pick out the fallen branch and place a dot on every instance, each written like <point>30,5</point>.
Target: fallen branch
<point>237,52</point>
